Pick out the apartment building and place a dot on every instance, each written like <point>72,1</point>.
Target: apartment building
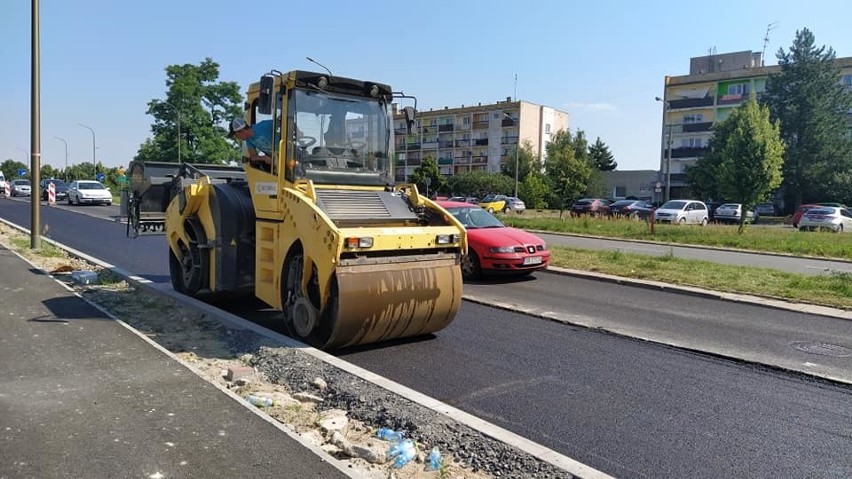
<point>716,84</point>
<point>480,137</point>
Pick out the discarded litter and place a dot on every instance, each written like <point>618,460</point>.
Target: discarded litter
<point>84,277</point>
<point>434,461</point>
<point>389,434</point>
<point>403,451</point>
<point>260,401</point>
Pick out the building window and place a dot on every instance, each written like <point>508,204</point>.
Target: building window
<point>847,80</point>
<point>738,89</point>
<point>694,118</point>
<point>466,120</point>
<point>495,116</point>
<point>547,128</point>
<point>620,191</point>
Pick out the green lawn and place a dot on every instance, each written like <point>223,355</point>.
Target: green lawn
<point>774,239</point>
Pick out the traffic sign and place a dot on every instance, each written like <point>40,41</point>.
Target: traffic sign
<point>99,176</point>
<point>22,172</point>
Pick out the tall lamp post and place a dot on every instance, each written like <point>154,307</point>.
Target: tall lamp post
<point>669,155</point>
<point>94,162</point>
<point>177,111</point>
<point>63,140</point>
<point>517,153</point>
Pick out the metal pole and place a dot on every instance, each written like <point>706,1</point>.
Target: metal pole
<point>94,162</point>
<point>517,157</point>
<point>177,111</point>
<point>669,166</point>
<point>63,140</point>
<point>35,132</point>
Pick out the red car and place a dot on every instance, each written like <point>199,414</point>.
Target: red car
<point>797,216</point>
<point>494,247</point>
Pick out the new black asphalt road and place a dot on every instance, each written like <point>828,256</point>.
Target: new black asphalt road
<point>627,407</point>
<point>83,396</point>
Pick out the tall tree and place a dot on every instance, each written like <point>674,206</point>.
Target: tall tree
<point>747,151</point>
<point>480,183</point>
<point>201,104</point>
<point>11,167</point>
<point>428,169</point>
<point>811,104</point>
<point>526,159</point>
<point>567,174</point>
<point>601,157</point>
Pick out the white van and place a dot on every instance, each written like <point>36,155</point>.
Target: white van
<point>2,184</point>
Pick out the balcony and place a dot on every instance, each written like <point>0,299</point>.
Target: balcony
<point>696,127</point>
<point>481,142</point>
<point>445,161</point>
<point>400,131</point>
<point>480,160</point>
<point>412,146</point>
<point>460,143</point>
<point>413,162</point>
<point>462,160</point>
<point>509,122</point>
<point>429,145</point>
<point>732,99</point>
<point>509,140</point>
<point>689,152</point>
<point>691,102</point>
<point>480,125</point>
<point>445,144</point>
<point>445,127</point>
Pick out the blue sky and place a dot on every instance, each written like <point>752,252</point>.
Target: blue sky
<point>603,62</point>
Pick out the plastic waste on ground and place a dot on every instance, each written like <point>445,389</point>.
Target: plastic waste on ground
<point>389,434</point>
<point>403,451</point>
<point>260,401</point>
<point>433,463</point>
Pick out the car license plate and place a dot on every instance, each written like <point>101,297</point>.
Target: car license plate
<point>532,260</point>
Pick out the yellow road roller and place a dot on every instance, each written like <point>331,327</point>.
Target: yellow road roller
<point>312,222</point>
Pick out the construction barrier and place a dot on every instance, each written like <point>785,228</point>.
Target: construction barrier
<point>51,194</point>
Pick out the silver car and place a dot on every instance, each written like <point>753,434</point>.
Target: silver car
<point>827,217</point>
<point>682,212</point>
<point>20,188</point>
<point>732,212</point>
<point>514,204</point>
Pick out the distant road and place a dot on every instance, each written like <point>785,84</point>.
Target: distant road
<point>791,264</point>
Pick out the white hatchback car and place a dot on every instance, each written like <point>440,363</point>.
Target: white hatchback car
<point>89,192</point>
<point>827,217</point>
<point>682,212</point>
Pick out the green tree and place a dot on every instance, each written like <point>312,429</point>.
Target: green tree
<point>10,169</point>
<point>747,151</point>
<point>526,161</point>
<point>702,179</point>
<point>567,174</point>
<point>534,191</point>
<point>201,103</point>
<point>811,104</point>
<point>479,183</point>
<point>428,169</point>
<point>601,157</point>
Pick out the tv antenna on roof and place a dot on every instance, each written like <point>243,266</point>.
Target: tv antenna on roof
<point>769,28</point>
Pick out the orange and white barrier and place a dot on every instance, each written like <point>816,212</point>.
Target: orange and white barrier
<point>6,191</point>
<point>51,194</point>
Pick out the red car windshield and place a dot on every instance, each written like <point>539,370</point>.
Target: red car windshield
<point>475,217</point>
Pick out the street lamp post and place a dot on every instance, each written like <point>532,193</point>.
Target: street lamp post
<point>517,153</point>
<point>94,162</point>
<point>669,155</point>
<point>177,111</point>
<point>63,140</point>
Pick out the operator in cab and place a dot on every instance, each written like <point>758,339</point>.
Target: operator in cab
<point>258,140</point>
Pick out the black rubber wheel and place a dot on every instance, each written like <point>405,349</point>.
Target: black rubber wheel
<point>470,266</point>
<point>190,271</point>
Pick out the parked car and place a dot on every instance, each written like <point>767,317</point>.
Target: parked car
<point>682,212</point>
<point>827,217</point>
<point>464,199</point>
<point>493,203</point>
<point>88,192</point>
<point>494,248</point>
<point>514,205</point>
<point>59,187</point>
<point>20,188</point>
<point>2,183</point>
<point>635,209</point>
<point>799,212</point>
<point>732,212</point>
<point>766,209</point>
<point>590,206</point>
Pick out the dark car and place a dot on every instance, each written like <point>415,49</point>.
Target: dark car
<point>59,186</point>
<point>634,209</point>
<point>590,206</point>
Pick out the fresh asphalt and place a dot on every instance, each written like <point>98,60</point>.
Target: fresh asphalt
<point>83,396</point>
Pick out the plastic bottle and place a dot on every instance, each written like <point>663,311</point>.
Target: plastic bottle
<point>259,401</point>
<point>434,461</point>
<point>389,434</point>
<point>406,453</point>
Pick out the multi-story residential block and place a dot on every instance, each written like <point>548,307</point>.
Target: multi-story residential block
<point>480,137</point>
<point>693,103</point>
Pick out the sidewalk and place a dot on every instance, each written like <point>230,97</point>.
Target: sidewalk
<point>83,396</point>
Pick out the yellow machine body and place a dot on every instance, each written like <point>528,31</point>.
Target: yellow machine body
<point>320,232</point>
